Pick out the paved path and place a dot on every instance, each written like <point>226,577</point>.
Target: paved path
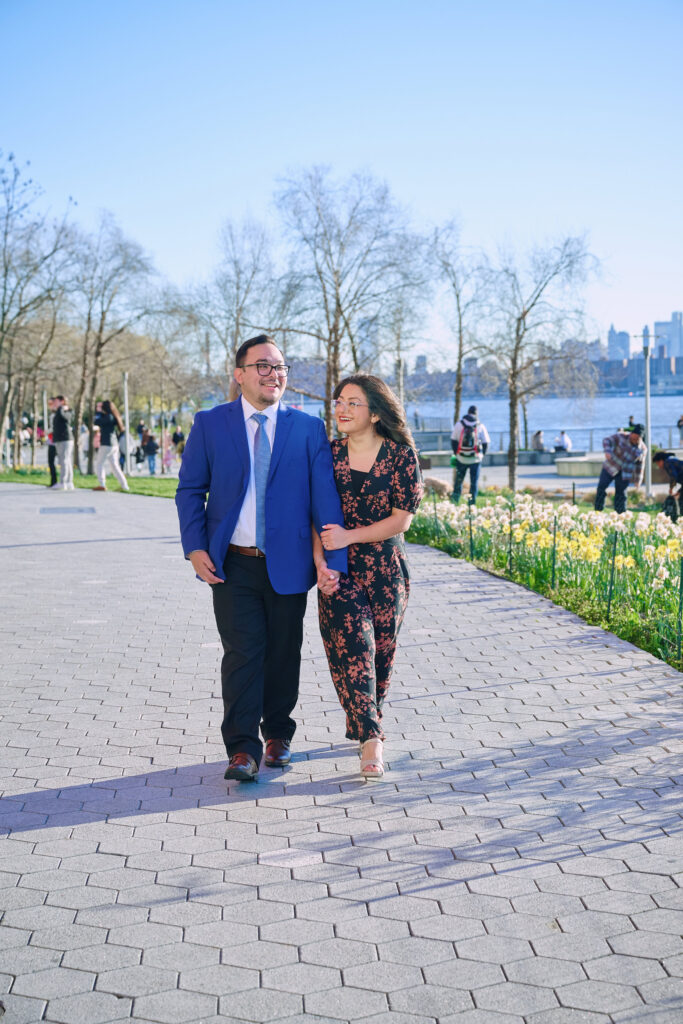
<point>521,861</point>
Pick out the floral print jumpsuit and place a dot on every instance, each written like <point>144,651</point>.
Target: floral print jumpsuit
<point>360,622</point>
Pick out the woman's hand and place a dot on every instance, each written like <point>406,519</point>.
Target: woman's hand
<point>334,537</point>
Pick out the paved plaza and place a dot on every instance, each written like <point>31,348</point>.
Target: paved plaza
<point>520,863</point>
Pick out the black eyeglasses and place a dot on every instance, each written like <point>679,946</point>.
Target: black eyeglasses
<point>265,369</point>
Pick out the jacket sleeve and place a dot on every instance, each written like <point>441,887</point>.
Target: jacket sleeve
<point>194,481</point>
<point>325,503</point>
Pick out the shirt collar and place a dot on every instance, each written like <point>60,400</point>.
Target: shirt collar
<point>248,409</point>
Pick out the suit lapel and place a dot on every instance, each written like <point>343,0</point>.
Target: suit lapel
<point>237,432</point>
<point>283,427</point>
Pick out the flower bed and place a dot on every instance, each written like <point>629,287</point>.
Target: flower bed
<point>623,572</point>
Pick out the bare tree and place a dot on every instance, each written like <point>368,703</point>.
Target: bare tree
<point>34,255</point>
<point>112,295</point>
<point>535,310</point>
<point>348,245</point>
<point>466,276</point>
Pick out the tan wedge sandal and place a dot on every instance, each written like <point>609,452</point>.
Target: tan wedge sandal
<point>371,763</point>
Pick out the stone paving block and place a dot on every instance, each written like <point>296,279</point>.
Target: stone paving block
<point>22,1009</point>
<point>301,977</point>
<point>144,935</point>
<point>261,1005</point>
<point>175,1006</point>
<point>346,1003</point>
<point>416,951</point>
<point>466,974</point>
<point>101,958</point>
<point>54,982</point>
<point>602,996</point>
<point>259,955</point>
<point>494,949</point>
<point>219,979</point>
<point>434,1000</point>
<point>382,976</point>
<point>566,1015</point>
<point>647,944</point>
<point>341,953</point>
<point>181,956</point>
<point>75,936</point>
<point>139,980</point>
<point>298,933</point>
<point>88,1008</point>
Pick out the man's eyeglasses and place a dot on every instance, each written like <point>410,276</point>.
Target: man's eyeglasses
<point>265,369</point>
<point>340,403</point>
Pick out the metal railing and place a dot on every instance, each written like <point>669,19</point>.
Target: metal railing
<point>587,439</point>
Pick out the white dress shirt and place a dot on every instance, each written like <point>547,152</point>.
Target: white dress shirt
<point>244,534</point>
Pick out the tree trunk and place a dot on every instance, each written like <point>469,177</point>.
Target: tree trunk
<point>17,453</point>
<point>7,400</point>
<point>458,382</point>
<point>512,447</point>
<point>525,423</point>
<point>34,413</point>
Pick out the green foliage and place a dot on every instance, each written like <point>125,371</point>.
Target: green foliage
<point>153,486</point>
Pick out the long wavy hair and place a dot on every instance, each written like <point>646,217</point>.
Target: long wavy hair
<point>109,407</point>
<point>383,403</point>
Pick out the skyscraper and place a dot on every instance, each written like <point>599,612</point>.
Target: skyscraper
<point>670,333</point>
<point>618,344</point>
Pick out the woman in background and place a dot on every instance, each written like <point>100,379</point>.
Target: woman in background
<point>379,481</point>
<point>107,418</point>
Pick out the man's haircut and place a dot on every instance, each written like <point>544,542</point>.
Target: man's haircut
<point>660,456</point>
<point>58,398</point>
<point>260,339</point>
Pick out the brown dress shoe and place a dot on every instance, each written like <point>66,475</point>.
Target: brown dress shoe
<point>241,767</point>
<point>278,753</point>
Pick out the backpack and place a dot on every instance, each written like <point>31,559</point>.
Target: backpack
<point>469,439</point>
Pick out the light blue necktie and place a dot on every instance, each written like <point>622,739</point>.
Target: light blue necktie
<point>261,467</point>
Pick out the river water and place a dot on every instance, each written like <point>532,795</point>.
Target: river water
<point>583,419</point>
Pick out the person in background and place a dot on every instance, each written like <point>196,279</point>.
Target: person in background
<point>123,449</point>
<point>177,437</point>
<point>563,442</point>
<point>679,424</point>
<point>107,419</point>
<point>150,448</point>
<point>537,442</point>
<point>51,449</point>
<point>673,467</point>
<point>624,464</point>
<point>469,442</point>
<point>63,435</point>
<point>140,430</point>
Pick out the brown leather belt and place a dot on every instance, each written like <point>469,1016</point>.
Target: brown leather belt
<point>253,552</point>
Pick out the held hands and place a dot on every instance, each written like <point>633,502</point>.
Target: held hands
<point>328,579</point>
<point>203,566</point>
<point>334,537</point>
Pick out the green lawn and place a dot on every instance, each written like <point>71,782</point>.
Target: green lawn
<point>155,486</point>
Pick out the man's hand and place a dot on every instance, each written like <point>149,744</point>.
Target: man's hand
<point>203,566</point>
<point>328,579</point>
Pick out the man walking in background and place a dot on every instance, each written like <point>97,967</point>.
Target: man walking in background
<point>63,437</point>
<point>469,442</point>
<point>267,471</point>
<point>624,464</point>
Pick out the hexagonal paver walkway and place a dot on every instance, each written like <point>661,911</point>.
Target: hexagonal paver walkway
<point>520,863</point>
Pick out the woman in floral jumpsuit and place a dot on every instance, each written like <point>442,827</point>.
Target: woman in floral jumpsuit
<point>380,485</point>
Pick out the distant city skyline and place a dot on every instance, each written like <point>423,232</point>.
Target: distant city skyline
<point>178,115</point>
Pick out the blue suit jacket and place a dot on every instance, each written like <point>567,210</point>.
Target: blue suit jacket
<point>300,491</point>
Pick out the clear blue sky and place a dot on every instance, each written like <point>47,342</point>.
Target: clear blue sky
<point>525,119</point>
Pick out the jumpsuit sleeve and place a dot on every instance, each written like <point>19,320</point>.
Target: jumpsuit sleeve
<point>407,486</point>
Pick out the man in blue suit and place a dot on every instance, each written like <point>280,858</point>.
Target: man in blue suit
<point>267,472</point>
